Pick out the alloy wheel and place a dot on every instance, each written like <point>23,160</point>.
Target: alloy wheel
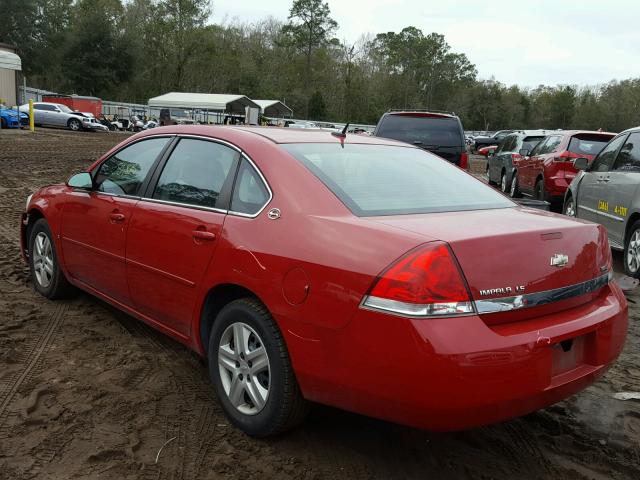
<point>514,186</point>
<point>43,260</point>
<point>570,209</point>
<point>503,182</point>
<point>633,252</point>
<point>244,368</point>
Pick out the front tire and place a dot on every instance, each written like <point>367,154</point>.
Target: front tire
<point>74,124</point>
<point>569,208</point>
<point>251,370</point>
<point>48,279</point>
<point>632,251</point>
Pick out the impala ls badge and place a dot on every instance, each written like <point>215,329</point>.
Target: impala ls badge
<point>559,260</point>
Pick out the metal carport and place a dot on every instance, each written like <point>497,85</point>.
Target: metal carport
<point>204,101</point>
<point>274,108</point>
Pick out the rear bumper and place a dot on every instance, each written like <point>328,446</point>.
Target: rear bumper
<point>458,373</point>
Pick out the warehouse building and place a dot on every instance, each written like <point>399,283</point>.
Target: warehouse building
<point>10,65</point>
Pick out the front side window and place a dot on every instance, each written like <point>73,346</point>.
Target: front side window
<point>629,157</point>
<point>250,193</point>
<point>393,180</point>
<point>125,171</point>
<point>196,173</point>
<point>604,161</point>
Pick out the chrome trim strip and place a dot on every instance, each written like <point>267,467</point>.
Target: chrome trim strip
<point>211,139</point>
<point>504,304</point>
<point>599,212</point>
<point>266,184</point>
<point>185,205</point>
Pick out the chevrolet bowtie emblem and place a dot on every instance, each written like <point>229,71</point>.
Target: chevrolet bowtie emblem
<point>559,260</point>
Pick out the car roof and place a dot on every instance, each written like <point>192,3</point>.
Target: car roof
<point>421,113</point>
<point>278,135</point>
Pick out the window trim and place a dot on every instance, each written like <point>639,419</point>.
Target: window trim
<point>615,161</point>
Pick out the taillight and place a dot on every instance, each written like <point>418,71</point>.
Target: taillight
<point>425,282</point>
<point>464,161</point>
<point>516,156</point>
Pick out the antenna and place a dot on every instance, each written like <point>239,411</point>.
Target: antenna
<point>342,134</point>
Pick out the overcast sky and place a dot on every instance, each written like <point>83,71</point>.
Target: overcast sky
<point>518,42</point>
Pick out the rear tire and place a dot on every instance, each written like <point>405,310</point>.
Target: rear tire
<point>239,386</point>
<point>514,190</point>
<point>632,251</point>
<point>503,183</point>
<point>539,190</point>
<point>3,123</point>
<point>48,279</point>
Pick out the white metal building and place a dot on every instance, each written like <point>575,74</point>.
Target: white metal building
<point>10,65</point>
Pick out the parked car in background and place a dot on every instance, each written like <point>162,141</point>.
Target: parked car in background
<point>488,140</point>
<point>94,123</point>
<point>485,151</point>
<point>354,271</point>
<point>500,163</point>
<point>546,171</point>
<point>176,116</point>
<point>436,132</point>
<point>607,191</point>
<point>57,115</point>
<point>13,118</point>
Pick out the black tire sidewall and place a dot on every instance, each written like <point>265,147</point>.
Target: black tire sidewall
<point>513,191</point>
<point>264,421</point>
<point>42,226</point>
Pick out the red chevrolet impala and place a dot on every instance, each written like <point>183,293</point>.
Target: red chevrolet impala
<point>352,271</point>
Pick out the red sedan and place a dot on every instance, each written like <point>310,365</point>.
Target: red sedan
<point>353,271</point>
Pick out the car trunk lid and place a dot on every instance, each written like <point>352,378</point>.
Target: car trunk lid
<point>515,251</point>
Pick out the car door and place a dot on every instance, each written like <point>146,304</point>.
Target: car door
<point>58,117</point>
<point>41,114</point>
<point>592,193</point>
<point>621,188</point>
<point>94,224</point>
<point>495,161</point>
<point>175,229</point>
<point>526,174</point>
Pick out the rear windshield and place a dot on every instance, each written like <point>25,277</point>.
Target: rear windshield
<point>393,180</point>
<point>529,142</point>
<point>588,144</point>
<point>423,131</point>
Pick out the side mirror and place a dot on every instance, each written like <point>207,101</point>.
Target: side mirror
<point>524,152</point>
<point>81,180</point>
<point>581,163</point>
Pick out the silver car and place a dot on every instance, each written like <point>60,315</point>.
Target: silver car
<point>606,192</point>
<point>56,115</point>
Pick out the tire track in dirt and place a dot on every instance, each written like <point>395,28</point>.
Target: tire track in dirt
<point>10,386</point>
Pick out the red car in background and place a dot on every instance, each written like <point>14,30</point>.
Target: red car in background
<point>546,172</point>
<point>349,270</point>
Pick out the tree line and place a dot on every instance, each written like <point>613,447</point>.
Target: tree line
<point>131,50</point>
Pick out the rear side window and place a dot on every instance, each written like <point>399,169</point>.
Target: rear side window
<point>587,144</point>
<point>195,173</point>
<point>393,180</point>
<point>125,171</point>
<point>423,131</point>
<point>250,193</point>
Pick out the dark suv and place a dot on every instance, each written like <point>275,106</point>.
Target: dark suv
<point>437,132</point>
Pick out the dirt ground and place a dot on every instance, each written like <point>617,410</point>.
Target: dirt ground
<point>88,392</point>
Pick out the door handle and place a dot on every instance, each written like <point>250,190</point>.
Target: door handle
<point>203,235</point>
<point>116,217</point>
